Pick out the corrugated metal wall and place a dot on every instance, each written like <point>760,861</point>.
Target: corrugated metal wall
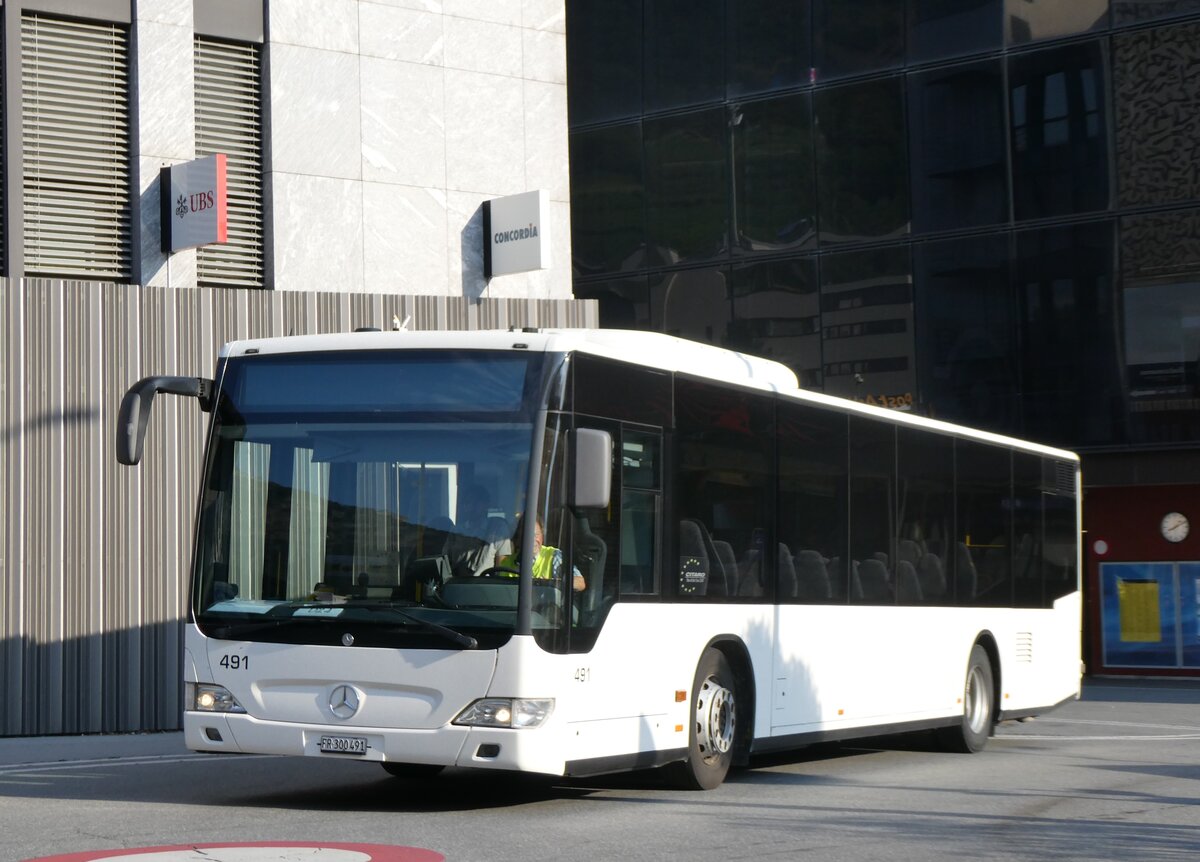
<point>93,556</point>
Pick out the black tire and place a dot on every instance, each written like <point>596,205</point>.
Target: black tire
<point>713,725</point>
<point>979,703</point>
<point>411,770</point>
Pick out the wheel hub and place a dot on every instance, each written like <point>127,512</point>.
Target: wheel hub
<point>978,706</point>
<point>715,718</point>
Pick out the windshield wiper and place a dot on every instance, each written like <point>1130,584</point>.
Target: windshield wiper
<point>463,640</point>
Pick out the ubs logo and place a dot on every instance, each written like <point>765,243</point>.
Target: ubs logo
<point>343,702</point>
<point>194,203</point>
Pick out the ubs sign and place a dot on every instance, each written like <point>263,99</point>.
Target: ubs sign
<point>194,204</point>
<point>516,233</point>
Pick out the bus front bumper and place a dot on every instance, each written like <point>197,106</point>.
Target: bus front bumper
<point>525,750</point>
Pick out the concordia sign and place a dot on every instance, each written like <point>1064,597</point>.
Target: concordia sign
<point>517,233</point>
<point>195,207</point>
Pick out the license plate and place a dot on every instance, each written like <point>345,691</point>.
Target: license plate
<point>344,744</point>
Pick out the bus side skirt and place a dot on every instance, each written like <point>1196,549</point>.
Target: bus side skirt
<point>624,762</point>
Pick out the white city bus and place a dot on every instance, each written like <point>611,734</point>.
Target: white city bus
<point>744,566</point>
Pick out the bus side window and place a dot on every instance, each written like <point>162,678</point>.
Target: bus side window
<point>641,507</point>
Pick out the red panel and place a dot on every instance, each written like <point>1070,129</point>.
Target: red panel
<point>1127,520</point>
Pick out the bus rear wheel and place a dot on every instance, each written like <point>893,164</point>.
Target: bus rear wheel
<point>713,725</point>
<point>972,731</point>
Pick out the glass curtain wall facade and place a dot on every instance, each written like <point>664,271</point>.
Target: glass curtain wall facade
<point>985,211</point>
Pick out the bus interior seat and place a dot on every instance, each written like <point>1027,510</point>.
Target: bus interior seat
<point>873,581</point>
<point>908,586</point>
<point>786,567</point>
<point>750,580</point>
<point>718,577</point>
<point>1023,556</point>
<point>966,580</point>
<point>591,554</point>
<point>931,577</point>
<point>692,545</point>
<point>728,560</point>
<point>812,576</point>
<point>908,550</point>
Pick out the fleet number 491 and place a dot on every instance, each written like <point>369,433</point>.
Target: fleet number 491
<point>235,662</point>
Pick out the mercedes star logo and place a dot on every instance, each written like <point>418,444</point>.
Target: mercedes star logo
<point>343,702</point>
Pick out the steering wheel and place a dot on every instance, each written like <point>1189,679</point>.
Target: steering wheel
<point>498,572</point>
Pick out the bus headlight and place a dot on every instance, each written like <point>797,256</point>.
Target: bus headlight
<point>506,712</point>
<point>202,697</point>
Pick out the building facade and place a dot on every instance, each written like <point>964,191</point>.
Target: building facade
<point>361,140</point>
<point>986,211</point>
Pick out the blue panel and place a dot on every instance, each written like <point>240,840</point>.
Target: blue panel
<point>1189,612</point>
<point>1138,614</point>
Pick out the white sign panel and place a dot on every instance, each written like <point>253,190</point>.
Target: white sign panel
<point>195,205</point>
<point>519,233</point>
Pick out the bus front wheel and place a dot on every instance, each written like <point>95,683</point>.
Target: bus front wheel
<point>972,731</point>
<point>713,725</point>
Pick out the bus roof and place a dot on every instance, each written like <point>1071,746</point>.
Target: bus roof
<point>650,349</point>
<point>653,349</point>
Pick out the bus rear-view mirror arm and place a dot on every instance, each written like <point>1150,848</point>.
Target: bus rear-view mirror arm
<point>593,468</point>
<point>134,415</point>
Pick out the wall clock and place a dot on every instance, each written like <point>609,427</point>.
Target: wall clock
<point>1174,527</point>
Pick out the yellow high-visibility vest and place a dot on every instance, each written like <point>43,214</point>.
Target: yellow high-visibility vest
<point>548,560</point>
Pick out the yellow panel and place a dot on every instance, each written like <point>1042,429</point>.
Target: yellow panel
<point>1138,601</point>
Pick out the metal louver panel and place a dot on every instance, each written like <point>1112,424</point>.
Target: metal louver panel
<point>229,120</point>
<point>75,134</point>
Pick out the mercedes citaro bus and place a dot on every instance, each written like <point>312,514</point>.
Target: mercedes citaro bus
<point>730,564</point>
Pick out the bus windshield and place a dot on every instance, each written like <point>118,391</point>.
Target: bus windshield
<point>359,498</point>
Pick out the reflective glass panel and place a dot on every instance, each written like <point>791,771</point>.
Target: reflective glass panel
<point>1060,146</point>
<point>687,187</point>
<point>1069,336</point>
<point>1155,93</point>
<point>959,160</point>
<point>684,44</point>
<point>862,161</point>
<point>774,189</point>
<point>855,36</point>
<point>1134,11</point>
<point>867,326</point>
<point>604,60</point>
<point>693,303</point>
<point>1030,20</point>
<point>777,314</point>
<point>952,28</point>
<point>624,303</point>
<point>767,44</point>
<point>1160,262</point>
<point>964,309</point>
<point>608,200</point>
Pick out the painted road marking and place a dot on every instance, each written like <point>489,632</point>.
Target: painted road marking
<point>256,851</point>
<point>147,760</point>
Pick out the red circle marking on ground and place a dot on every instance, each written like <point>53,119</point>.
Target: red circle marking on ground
<point>376,852</point>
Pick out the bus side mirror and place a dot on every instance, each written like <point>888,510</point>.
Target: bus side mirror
<point>593,468</point>
<point>134,415</point>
